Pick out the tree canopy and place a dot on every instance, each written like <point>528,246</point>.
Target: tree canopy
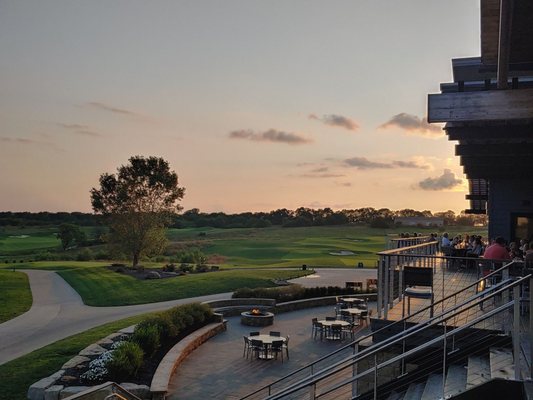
<point>139,201</point>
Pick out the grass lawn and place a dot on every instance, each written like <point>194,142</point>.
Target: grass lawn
<point>16,376</point>
<point>102,287</point>
<point>15,294</point>
<point>282,247</point>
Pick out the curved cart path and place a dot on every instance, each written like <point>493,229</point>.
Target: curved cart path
<point>58,312</point>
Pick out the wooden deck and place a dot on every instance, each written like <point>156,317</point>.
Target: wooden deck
<point>447,280</point>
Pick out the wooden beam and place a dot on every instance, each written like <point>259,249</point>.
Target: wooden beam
<point>490,132</point>
<point>491,105</point>
<point>491,150</point>
<point>502,161</point>
<point>504,42</point>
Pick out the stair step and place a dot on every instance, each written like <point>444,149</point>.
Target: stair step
<point>394,396</point>
<point>414,391</point>
<point>433,389</point>
<point>455,380</point>
<point>501,363</point>
<point>478,371</point>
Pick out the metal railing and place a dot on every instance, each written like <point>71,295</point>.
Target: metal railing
<point>422,351</point>
<point>391,264</point>
<point>403,326</point>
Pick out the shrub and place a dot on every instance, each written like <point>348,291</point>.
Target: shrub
<point>162,323</point>
<point>185,267</point>
<point>202,268</point>
<point>126,361</point>
<point>291,292</point>
<point>148,337</point>
<point>84,255</point>
<point>170,267</point>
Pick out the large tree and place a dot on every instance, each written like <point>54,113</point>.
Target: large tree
<point>139,200</point>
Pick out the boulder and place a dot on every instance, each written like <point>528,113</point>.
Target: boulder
<point>75,361</point>
<point>92,350</point>
<point>141,391</point>
<point>72,390</point>
<point>52,393</point>
<point>153,275</point>
<point>36,391</point>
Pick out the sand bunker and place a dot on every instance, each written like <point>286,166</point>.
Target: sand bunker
<point>20,237</point>
<point>342,253</point>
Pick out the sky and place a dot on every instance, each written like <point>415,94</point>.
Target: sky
<point>257,105</point>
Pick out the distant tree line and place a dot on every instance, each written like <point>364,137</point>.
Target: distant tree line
<point>378,218</point>
<point>8,218</point>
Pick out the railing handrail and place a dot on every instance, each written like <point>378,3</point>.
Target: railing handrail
<point>362,338</point>
<point>331,370</point>
<point>410,352</point>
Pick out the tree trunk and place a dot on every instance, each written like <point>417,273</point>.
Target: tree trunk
<point>135,259</point>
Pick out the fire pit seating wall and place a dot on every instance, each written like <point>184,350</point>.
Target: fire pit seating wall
<point>234,307</point>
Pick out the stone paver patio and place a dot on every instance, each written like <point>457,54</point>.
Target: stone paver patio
<point>217,369</point>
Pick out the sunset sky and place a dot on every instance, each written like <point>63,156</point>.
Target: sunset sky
<point>257,105</point>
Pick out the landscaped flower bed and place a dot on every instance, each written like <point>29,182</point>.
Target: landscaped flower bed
<point>131,355</point>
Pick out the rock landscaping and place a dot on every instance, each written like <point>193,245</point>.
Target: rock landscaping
<point>129,357</point>
<point>167,271</point>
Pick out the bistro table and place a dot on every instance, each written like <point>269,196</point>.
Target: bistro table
<point>352,300</point>
<point>328,324</point>
<point>267,342</point>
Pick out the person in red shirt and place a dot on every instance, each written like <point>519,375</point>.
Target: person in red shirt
<point>497,250</point>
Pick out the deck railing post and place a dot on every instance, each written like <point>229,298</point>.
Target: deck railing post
<point>531,324</point>
<point>375,376</point>
<point>516,332</point>
<point>443,361</point>
<point>354,371</point>
<point>312,390</point>
<point>386,288</point>
<point>381,264</point>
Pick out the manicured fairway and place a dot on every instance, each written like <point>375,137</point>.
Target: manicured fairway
<point>282,247</point>
<point>23,241</point>
<point>101,287</point>
<point>15,294</point>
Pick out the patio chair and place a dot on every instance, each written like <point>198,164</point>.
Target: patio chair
<point>254,333</point>
<point>418,283</point>
<point>286,346</point>
<point>346,316</point>
<point>363,317</point>
<point>331,318</point>
<point>318,328</point>
<point>275,333</point>
<point>277,348</point>
<point>335,332</point>
<point>347,330</point>
<point>257,347</point>
<point>247,347</point>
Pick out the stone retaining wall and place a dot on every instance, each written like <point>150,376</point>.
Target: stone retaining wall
<point>177,354</point>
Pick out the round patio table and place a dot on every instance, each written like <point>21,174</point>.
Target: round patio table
<point>267,341</point>
<point>328,324</point>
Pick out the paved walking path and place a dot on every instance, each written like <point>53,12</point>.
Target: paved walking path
<point>58,310</point>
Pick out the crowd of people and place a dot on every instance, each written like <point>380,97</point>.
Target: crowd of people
<point>495,249</point>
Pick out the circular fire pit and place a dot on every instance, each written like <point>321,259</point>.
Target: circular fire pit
<point>257,318</point>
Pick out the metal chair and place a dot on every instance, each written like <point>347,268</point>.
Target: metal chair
<point>418,283</point>
<point>277,348</point>
<point>335,332</point>
<point>257,347</point>
<point>275,333</point>
<point>254,333</point>
<point>286,346</point>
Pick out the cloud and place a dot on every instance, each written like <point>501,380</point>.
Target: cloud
<point>336,120</point>
<point>271,135</point>
<point>413,124</point>
<point>324,175</point>
<point>446,181</point>
<point>29,142</point>
<point>116,110</point>
<point>365,163</point>
<point>80,129</point>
